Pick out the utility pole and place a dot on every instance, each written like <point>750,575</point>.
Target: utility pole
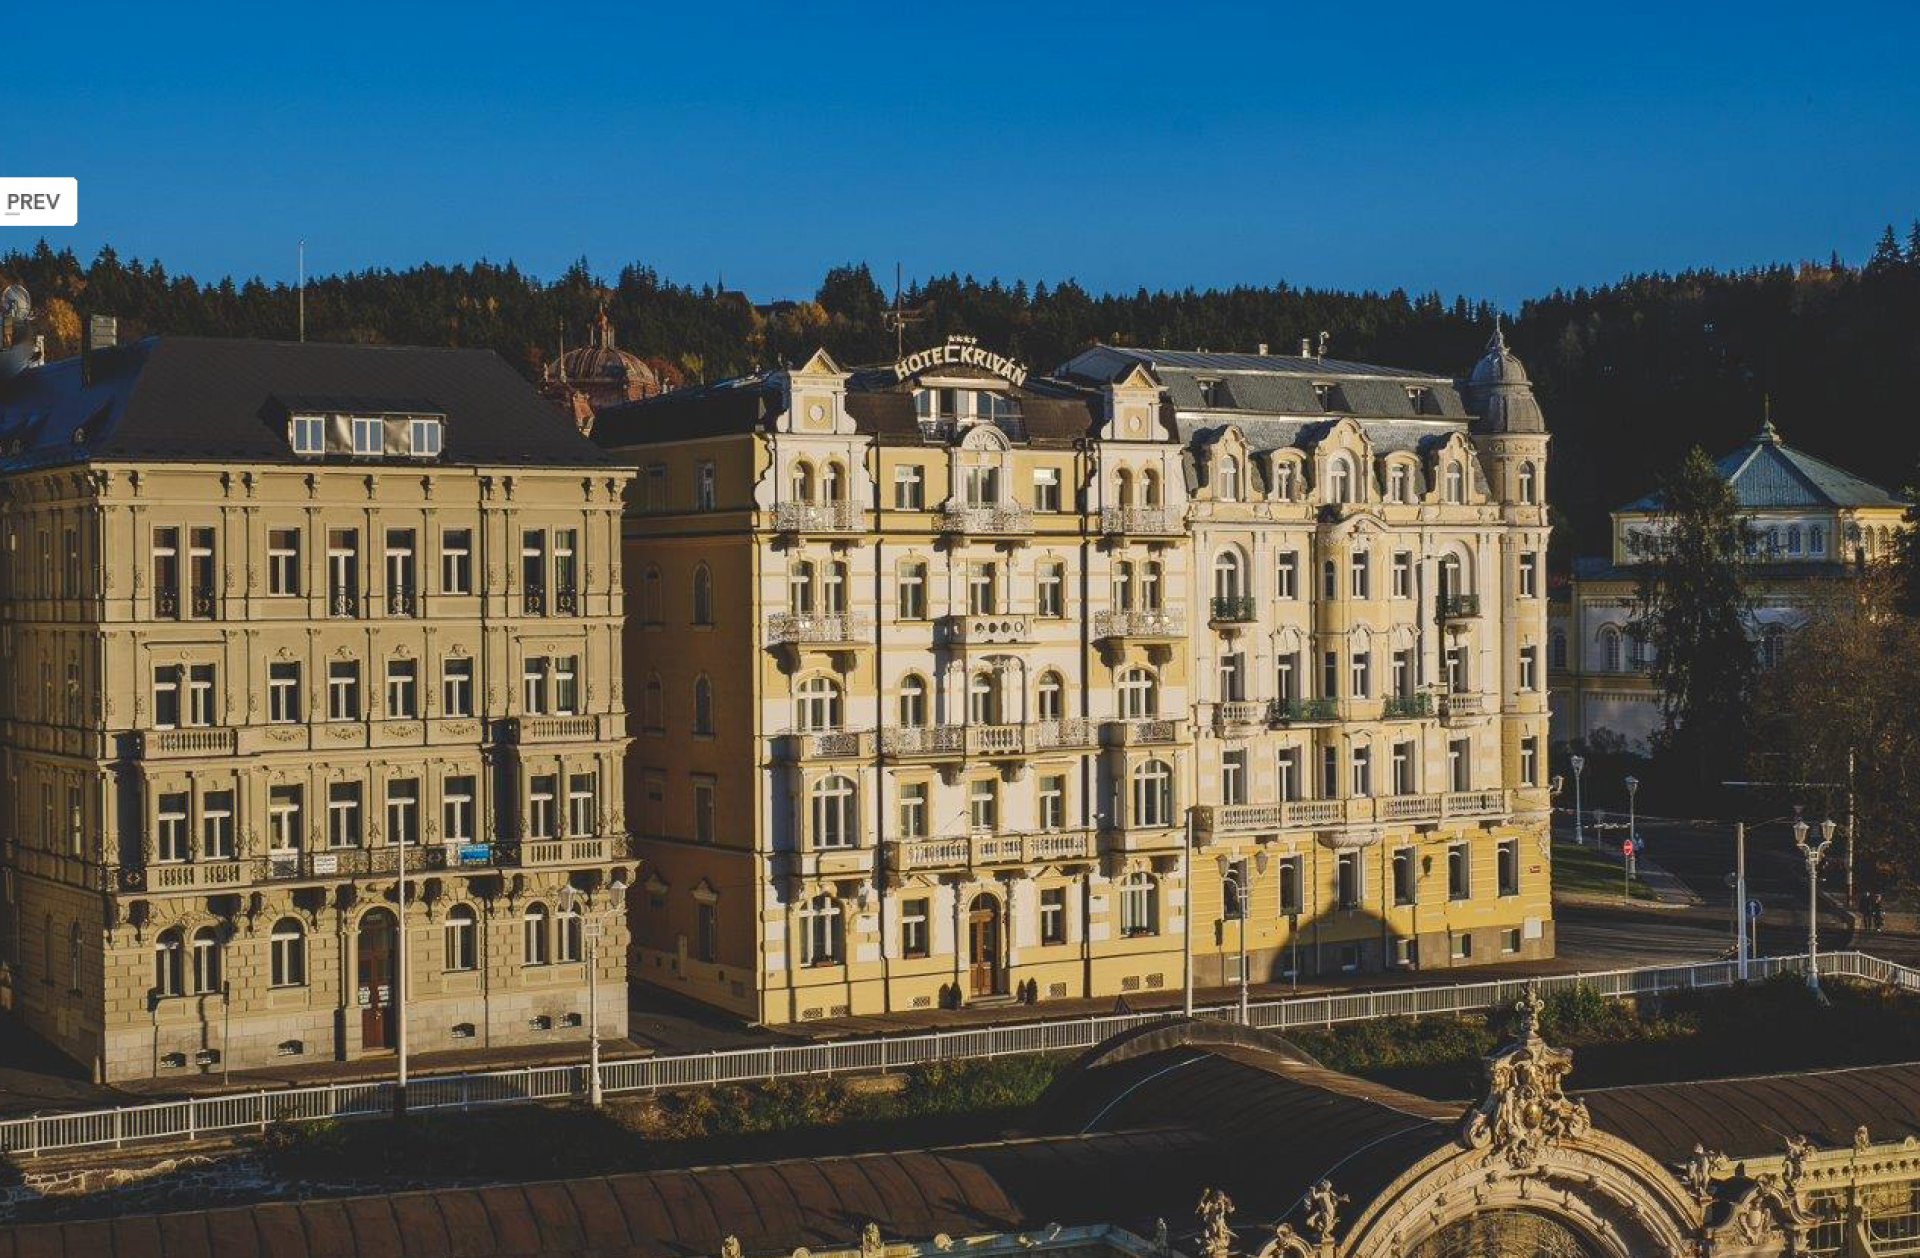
<point>400,990</point>
<point>1742,946</point>
<point>1850,834</point>
<point>1186,917</point>
<point>302,290</point>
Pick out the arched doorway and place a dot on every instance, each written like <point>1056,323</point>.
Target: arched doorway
<point>1504,1234</point>
<point>378,978</point>
<point>984,946</point>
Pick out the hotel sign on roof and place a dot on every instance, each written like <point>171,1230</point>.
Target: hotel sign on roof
<point>961,351</point>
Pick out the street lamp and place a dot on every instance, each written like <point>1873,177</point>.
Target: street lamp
<point>1813,853</point>
<point>1633,832</point>
<point>574,900</point>
<point>1579,835</point>
<point>1232,875</point>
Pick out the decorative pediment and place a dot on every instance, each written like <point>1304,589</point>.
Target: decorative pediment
<point>1525,1108</point>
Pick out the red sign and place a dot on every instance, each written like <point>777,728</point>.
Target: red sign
<point>1626,847</point>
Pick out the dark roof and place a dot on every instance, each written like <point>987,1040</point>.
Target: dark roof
<point>205,399</point>
<point>1753,1117</point>
<point>1601,568</point>
<point>1275,384</point>
<point>706,410</point>
<point>1767,473</point>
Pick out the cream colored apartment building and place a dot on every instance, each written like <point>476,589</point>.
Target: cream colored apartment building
<point>957,684</point>
<point>277,618</point>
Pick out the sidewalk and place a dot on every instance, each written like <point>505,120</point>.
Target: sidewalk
<point>1668,891</point>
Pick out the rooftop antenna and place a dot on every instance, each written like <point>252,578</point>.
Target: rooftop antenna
<point>898,318</point>
<point>1321,352</point>
<point>301,289</point>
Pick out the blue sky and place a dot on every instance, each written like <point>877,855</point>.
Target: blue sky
<point>1491,150</point>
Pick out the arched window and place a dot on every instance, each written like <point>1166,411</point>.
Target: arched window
<point>1773,642</point>
<point>1527,489</point>
<point>1229,489</point>
<point>1139,904</point>
<point>569,940</point>
<point>822,936</point>
<point>702,595</point>
<point>983,698</point>
<point>533,935</point>
<point>819,704</point>
<point>653,704</point>
<point>1153,794</point>
<point>1123,488</point>
<point>206,960</point>
<point>1050,697</point>
<point>1610,648</point>
<point>1456,481</point>
<point>168,964</point>
<point>1453,577</point>
<point>1139,695</point>
<point>1123,585</point>
<point>800,587</point>
<point>834,802</point>
<point>1149,488</point>
<point>833,590</point>
<point>1557,649</point>
<point>1283,481</point>
<point>801,483</point>
<point>1816,540</point>
<point>1639,653</point>
<point>73,957</point>
<point>461,938</point>
<point>1399,483</point>
<point>913,701</point>
<point>1339,479</point>
<point>832,483</point>
<point>702,706</point>
<point>289,953</point>
<point>651,601</point>
<point>1229,575</point>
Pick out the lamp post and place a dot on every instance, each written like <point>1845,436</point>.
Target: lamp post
<point>1231,875</point>
<point>1633,830</point>
<point>1813,852</point>
<point>574,900</point>
<point>1579,834</point>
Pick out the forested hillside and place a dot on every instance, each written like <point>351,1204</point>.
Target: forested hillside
<point>1631,374</point>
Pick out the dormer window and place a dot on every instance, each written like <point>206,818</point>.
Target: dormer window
<point>425,438</point>
<point>1418,396</point>
<point>308,433</point>
<point>1210,392</point>
<point>1322,393</point>
<point>368,435</point>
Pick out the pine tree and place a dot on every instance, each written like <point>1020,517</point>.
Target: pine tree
<point>1691,609</point>
<point>1913,244</point>
<point>1886,253</point>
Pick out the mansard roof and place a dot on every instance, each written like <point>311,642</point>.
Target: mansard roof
<point>206,399</point>
<point>1768,474</point>
<point>1277,384</point>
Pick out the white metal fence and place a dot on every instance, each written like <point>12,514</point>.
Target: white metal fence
<point>245,1111</point>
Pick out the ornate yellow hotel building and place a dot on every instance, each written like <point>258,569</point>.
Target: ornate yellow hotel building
<point>958,684</point>
<point>273,616</point>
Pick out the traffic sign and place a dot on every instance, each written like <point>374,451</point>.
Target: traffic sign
<point>1753,909</point>
<point>1626,847</point>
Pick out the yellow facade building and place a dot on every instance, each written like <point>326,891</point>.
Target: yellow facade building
<point>958,684</point>
<point>275,619</point>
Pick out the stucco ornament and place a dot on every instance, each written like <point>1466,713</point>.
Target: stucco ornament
<point>730,1248</point>
<point>1701,1170</point>
<point>1216,1237</point>
<point>1525,1108</point>
<point>1323,1210</point>
<point>870,1242</point>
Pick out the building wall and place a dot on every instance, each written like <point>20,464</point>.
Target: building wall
<point>145,692</point>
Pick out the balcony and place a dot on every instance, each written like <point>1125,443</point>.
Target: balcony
<point>952,742</point>
<point>1304,711</point>
<point>169,744</point>
<point>1231,609</point>
<point>1143,840</point>
<point>1476,804</point>
<point>810,629</point>
<point>823,745</point>
<point>1458,611</point>
<point>907,742</point>
<point>211,875</point>
<point>1147,521</point>
<point>543,852</point>
<point>1069,731</point>
<point>361,862</point>
<point>1408,707</point>
<point>533,601</point>
<point>1141,732</point>
<point>1462,706</point>
<point>1239,715</point>
<point>1356,811</point>
<point>988,850</point>
<point>835,862</point>
<point>819,517</point>
<point>555,729</point>
<point>984,630</point>
<point>1156,625</point>
<point>402,603</point>
<point>1001,521</point>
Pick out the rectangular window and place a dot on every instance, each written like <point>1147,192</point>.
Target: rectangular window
<point>283,693</point>
<point>200,573</point>
<point>1287,770</point>
<point>1362,771</point>
<point>1053,801</point>
<point>283,562</point>
<point>1403,673</point>
<point>704,815</point>
<point>1360,575</point>
<point>1286,575</point>
<point>1529,575</point>
<point>980,589</point>
<point>343,690</point>
<point>369,435</point>
<point>1459,874</point>
<point>914,936</point>
<point>1529,668</point>
<point>1403,761</point>
<point>533,572</point>
<point>1292,887</point>
<point>1329,773</point>
<point>1286,677</point>
<point>1530,761</point>
<point>1329,581</point>
<point>913,591</point>
<point>541,806</point>
<point>423,438</point>
<point>1053,915</point>
<point>456,809</point>
<point>1330,675</point>
<point>284,829</point>
<point>566,572</point>
<point>1346,875</point>
<point>566,685</point>
<point>170,834</point>
<point>1402,574</point>
<point>166,697</point>
<point>1507,859</point>
<point>308,434</point>
<point>403,811</point>
<point>200,694</point>
<point>401,600</point>
<point>403,689</point>
<point>343,572</point>
<point>1233,892</point>
<point>1362,674</point>
<point>1462,946</point>
<point>583,805</point>
<point>909,488</point>
<point>913,810</point>
<point>1460,764</point>
<point>1403,876</point>
<point>343,814</point>
<point>456,687</point>
<point>166,574</point>
<point>705,486</point>
<point>216,825</point>
<point>1046,489</point>
<point>983,804</point>
<point>654,492</point>
<point>1233,776</point>
<point>1051,593</point>
<point>533,686</point>
<point>456,561</point>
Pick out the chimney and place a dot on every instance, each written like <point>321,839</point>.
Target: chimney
<point>103,332</point>
<point>1263,349</point>
<point>1306,347</point>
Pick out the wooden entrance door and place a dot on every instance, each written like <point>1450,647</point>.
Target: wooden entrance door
<point>378,974</point>
<point>983,930</point>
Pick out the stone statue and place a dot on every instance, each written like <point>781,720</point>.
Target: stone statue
<point>1525,1108</point>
